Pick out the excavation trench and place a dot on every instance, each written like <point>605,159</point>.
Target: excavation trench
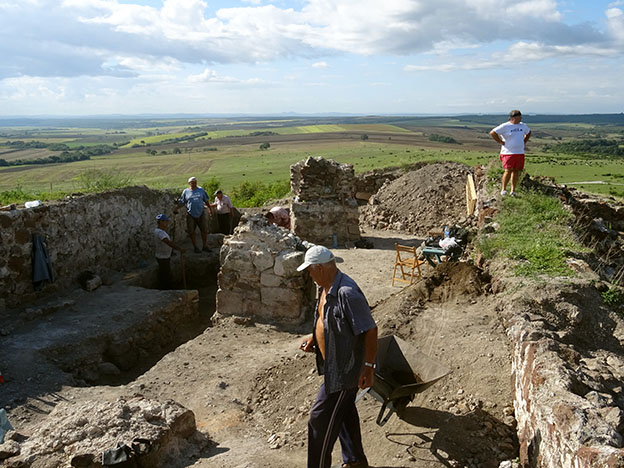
<point>108,336</point>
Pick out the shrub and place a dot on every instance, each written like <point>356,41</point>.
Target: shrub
<point>612,296</point>
<point>212,185</point>
<point>96,180</point>
<point>250,194</point>
<point>443,139</point>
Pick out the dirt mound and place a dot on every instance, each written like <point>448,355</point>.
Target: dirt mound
<point>421,200</point>
<point>450,281</point>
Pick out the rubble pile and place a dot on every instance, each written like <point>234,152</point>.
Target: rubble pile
<point>421,200</point>
<point>259,276</point>
<point>155,433</point>
<point>368,183</point>
<point>324,210</point>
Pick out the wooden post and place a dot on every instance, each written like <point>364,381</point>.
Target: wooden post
<point>471,195</point>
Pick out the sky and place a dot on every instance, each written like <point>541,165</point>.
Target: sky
<point>263,57</point>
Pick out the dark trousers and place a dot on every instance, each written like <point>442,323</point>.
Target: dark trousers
<point>224,223</point>
<point>164,273</point>
<point>334,416</point>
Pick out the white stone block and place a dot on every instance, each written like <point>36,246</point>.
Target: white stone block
<point>287,262</point>
<point>269,279</point>
<point>262,259</point>
<point>272,296</point>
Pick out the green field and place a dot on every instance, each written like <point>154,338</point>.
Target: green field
<point>229,151</point>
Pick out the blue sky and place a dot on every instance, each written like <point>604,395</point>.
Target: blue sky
<point>90,57</point>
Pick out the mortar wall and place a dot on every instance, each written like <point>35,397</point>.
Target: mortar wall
<point>96,232</point>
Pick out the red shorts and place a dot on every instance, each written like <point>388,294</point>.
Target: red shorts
<point>512,161</point>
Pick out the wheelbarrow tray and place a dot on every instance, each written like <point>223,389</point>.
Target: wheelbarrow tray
<point>401,372</point>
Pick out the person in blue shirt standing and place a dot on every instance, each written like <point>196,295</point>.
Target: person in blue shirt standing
<point>195,198</point>
<point>344,339</point>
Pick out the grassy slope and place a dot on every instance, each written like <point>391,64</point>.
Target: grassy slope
<point>236,163</point>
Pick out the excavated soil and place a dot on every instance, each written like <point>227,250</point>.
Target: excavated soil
<point>420,201</point>
<point>250,387</point>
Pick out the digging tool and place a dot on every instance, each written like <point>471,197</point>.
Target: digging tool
<point>183,269</point>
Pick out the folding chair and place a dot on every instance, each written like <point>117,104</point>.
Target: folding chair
<point>406,261</point>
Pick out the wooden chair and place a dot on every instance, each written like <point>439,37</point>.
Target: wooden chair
<point>406,262</point>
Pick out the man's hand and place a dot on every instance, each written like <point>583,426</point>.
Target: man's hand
<point>308,345</point>
<point>366,378</point>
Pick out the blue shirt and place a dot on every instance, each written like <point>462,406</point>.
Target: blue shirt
<point>346,317</point>
<point>194,201</point>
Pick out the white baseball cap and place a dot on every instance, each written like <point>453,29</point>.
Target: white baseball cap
<point>192,179</point>
<point>316,255</point>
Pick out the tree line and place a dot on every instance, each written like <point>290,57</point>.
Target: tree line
<point>600,147</point>
<point>67,154</point>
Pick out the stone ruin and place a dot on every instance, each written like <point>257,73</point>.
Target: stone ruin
<point>324,210</point>
<point>77,434</point>
<point>259,277</point>
<point>96,232</point>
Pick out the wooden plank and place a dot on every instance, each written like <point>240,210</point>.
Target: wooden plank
<point>471,195</point>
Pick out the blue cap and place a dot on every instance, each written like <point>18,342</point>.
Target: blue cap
<point>162,217</point>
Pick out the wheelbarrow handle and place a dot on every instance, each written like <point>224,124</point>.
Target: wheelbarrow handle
<point>361,394</point>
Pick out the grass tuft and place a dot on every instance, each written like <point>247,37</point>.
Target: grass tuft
<point>534,234</point>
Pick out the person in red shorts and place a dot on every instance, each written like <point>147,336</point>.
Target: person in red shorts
<point>512,136</point>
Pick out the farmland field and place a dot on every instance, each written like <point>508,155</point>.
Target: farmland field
<point>164,153</point>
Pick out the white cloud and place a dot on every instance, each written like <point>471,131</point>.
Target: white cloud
<point>211,76</point>
<point>516,54</point>
<point>87,34</point>
<point>161,50</point>
<point>615,23</point>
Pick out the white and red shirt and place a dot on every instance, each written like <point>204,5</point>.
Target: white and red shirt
<point>513,135</point>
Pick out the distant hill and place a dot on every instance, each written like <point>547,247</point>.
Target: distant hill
<point>142,121</point>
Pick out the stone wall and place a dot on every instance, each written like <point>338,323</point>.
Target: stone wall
<point>97,232</point>
<point>568,393</point>
<point>324,210</point>
<point>259,277</point>
<point>568,348</point>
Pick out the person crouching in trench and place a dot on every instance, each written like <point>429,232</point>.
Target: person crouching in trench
<point>163,248</point>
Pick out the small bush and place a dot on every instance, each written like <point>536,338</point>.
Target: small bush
<point>443,139</point>
<point>612,296</point>
<point>250,194</point>
<point>97,180</point>
<point>212,185</point>
<point>17,195</point>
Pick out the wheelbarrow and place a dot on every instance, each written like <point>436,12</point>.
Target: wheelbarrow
<point>401,372</point>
